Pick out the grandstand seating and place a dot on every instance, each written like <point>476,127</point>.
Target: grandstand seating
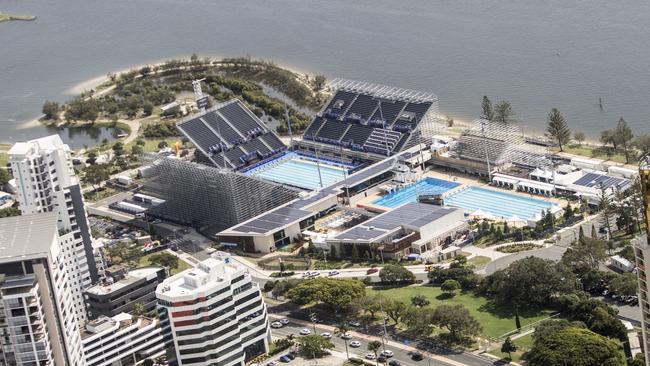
<point>354,119</point>
<point>231,136</point>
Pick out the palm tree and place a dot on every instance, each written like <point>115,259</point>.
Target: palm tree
<point>374,346</point>
<point>342,329</point>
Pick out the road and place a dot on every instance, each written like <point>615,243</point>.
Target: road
<point>402,351</point>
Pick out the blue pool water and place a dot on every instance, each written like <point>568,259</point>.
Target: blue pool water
<point>427,185</point>
<point>499,204</point>
<point>299,172</point>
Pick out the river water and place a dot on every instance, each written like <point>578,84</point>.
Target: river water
<point>536,54</point>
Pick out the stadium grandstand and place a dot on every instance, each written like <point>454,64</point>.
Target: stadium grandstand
<point>231,136</point>
<point>373,119</point>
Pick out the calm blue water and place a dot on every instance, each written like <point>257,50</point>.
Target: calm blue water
<point>427,185</point>
<point>536,54</point>
<point>299,173</point>
<point>499,204</point>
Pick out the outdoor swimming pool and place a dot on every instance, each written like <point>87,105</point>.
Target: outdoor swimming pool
<point>298,171</point>
<point>427,185</point>
<point>499,204</point>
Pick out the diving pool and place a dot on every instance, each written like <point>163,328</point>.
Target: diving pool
<point>427,185</point>
<point>300,172</point>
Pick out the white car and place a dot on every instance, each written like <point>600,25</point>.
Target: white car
<point>370,356</point>
<point>272,363</point>
<point>355,344</point>
<point>387,353</point>
<point>333,273</point>
<point>276,325</point>
<point>314,274</point>
<point>346,336</point>
<point>354,323</point>
<point>284,321</point>
<point>305,331</point>
<point>327,335</point>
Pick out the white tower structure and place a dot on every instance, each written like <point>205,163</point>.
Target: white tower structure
<point>38,324</point>
<point>213,315</point>
<point>46,182</point>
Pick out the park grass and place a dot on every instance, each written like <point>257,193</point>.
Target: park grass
<point>479,261</point>
<point>524,344</point>
<point>99,194</point>
<point>151,145</point>
<point>496,320</point>
<point>182,265</point>
<point>596,152</point>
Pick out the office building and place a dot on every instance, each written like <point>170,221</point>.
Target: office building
<point>121,340</point>
<point>46,182</point>
<point>38,325</point>
<point>642,252</point>
<point>213,315</point>
<point>122,289</point>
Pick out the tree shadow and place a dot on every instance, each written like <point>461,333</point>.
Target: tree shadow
<point>508,311</point>
<point>445,296</point>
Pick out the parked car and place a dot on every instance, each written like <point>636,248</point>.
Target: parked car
<point>394,363</point>
<point>346,336</point>
<point>285,359</point>
<point>333,273</point>
<point>372,270</point>
<point>291,355</point>
<point>305,331</point>
<point>381,358</point>
<point>276,325</point>
<point>416,356</point>
<point>355,344</point>
<point>370,356</point>
<point>354,323</point>
<point>327,335</point>
<point>284,321</point>
<point>272,363</point>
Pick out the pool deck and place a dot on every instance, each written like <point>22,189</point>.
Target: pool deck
<point>464,180</point>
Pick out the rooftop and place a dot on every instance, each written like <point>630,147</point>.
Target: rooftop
<point>131,277</point>
<point>207,273</point>
<point>51,142</point>
<point>27,236</point>
<point>104,324</point>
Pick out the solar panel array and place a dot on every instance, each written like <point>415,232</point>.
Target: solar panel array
<point>362,117</point>
<point>598,180</point>
<point>231,136</point>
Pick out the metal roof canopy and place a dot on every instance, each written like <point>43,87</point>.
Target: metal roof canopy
<point>382,91</point>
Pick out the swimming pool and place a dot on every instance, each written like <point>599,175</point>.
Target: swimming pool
<point>427,185</point>
<point>299,172</point>
<point>500,204</point>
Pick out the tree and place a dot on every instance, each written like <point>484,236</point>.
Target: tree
<point>579,136</point>
<point>558,129</point>
<point>568,212</point>
<point>95,174</point>
<point>395,309</point>
<point>147,108</point>
<point>575,346</point>
<point>508,347</point>
<point>585,253</point>
<point>552,326</point>
<point>420,301</point>
<point>449,287</point>
<point>623,136</point>
<point>642,143</point>
<point>5,177</point>
<point>340,330</point>
<point>314,346</point>
<point>503,112</point>
<point>51,110</point>
<point>624,284</point>
<point>118,148</point>
<point>163,144</point>
<point>318,82</point>
<point>529,282</point>
<point>137,150</point>
<point>335,293</point>
<point>371,304</point>
<point>457,320</point>
<point>374,346</point>
<point>486,106</point>
<point>138,309</point>
<point>147,362</point>
<point>395,273</point>
<point>595,314</point>
<point>419,321</point>
<point>164,260</point>
<point>606,208</point>
<point>609,137</point>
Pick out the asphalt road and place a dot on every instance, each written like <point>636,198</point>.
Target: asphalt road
<point>402,351</point>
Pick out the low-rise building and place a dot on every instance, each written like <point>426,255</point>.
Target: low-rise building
<point>413,228</point>
<point>122,289</point>
<point>121,340</point>
<point>213,315</point>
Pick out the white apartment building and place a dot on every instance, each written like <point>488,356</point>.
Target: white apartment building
<point>213,315</point>
<point>38,325</point>
<point>121,340</point>
<point>46,182</point>
<point>642,254</point>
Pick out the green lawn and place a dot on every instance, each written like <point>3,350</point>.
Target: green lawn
<point>182,265</point>
<point>151,145</point>
<point>479,261</point>
<point>597,152</point>
<point>495,320</point>
<point>523,345</point>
